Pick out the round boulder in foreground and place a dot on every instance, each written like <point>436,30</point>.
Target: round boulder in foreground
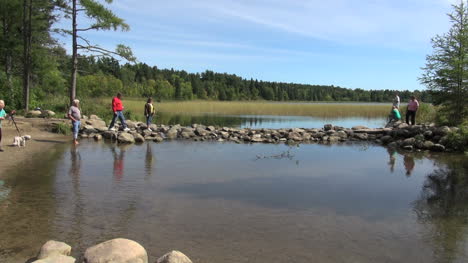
<point>53,247</point>
<point>174,257</point>
<point>119,250</point>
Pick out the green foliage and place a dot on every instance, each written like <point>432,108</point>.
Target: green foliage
<point>426,113</point>
<point>458,140</point>
<point>446,74</point>
<point>62,128</point>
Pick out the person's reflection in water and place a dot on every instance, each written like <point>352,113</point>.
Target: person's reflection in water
<point>409,164</point>
<point>118,163</point>
<point>392,154</point>
<point>75,166</point>
<point>149,161</point>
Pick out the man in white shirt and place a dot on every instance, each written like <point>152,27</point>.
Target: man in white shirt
<point>396,100</point>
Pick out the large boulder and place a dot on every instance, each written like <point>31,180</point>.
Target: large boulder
<point>327,127</point>
<point>53,247</point>
<point>295,136</point>
<point>56,259</point>
<point>200,131</point>
<point>359,127</point>
<point>33,114</point>
<point>138,138</point>
<point>386,139</point>
<point>131,124</point>
<point>172,133</point>
<point>117,250</point>
<point>125,138</point>
<point>409,142</point>
<point>442,131</point>
<point>438,147</point>
<point>47,114</point>
<point>96,123</point>
<point>361,136</point>
<point>174,257</point>
<point>109,135</point>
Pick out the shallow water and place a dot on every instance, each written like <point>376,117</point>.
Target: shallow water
<point>224,202</point>
<point>266,121</point>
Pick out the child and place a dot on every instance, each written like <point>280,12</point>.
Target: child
<point>394,115</point>
<point>3,116</point>
<point>149,112</point>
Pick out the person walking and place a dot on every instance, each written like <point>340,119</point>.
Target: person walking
<point>413,106</point>
<point>117,108</point>
<point>74,114</point>
<point>396,100</point>
<point>149,112</point>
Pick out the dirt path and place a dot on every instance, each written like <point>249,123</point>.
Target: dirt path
<point>42,140</point>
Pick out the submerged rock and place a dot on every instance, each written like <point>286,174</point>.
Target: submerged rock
<point>56,259</point>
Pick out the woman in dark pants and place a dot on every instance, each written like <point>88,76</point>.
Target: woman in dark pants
<point>413,106</point>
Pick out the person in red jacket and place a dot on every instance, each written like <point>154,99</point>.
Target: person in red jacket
<point>117,108</point>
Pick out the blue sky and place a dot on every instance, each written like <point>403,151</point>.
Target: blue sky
<point>368,44</point>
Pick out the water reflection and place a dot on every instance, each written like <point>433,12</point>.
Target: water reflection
<point>266,121</point>
<point>408,160</point>
<point>392,153</point>
<point>119,156</point>
<point>443,206</point>
<point>149,160</point>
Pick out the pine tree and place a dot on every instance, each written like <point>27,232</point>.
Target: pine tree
<point>446,70</point>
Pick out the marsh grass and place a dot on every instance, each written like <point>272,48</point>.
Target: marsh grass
<point>326,110</point>
<point>134,107</point>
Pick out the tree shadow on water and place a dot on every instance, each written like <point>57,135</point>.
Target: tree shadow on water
<point>443,208</point>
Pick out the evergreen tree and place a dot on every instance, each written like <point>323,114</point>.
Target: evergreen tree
<point>446,70</point>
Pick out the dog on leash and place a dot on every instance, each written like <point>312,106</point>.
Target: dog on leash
<point>20,141</point>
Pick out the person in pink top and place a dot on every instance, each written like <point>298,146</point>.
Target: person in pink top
<point>413,106</point>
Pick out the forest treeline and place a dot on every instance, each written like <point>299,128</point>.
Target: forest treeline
<point>35,66</point>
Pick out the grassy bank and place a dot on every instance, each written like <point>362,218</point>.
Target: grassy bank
<point>134,108</point>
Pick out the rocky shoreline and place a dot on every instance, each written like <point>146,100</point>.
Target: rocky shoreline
<point>118,250</point>
<point>399,135</point>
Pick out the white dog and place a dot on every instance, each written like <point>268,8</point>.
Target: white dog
<point>20,141</point>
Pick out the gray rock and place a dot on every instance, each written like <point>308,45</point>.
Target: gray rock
<point>187,134</point>
<point>117,250</point>
<point>428,145</point>
<point>428,134</point>
<point>359,127</point>
<point>138,138</point>
<point>172,133</point>
<point>333,139</point>
<point>327,127</point>
<point>96,123</point>
<point>295,136</point>
<point>361,136</point>
<point>442,131</point>
<point>174,257</point>
<point>33,114</point>
<point>47,114</point>
<point>409,141</point>
<point>393,145</point>
<point>131,124</point>
<point>53,247</point>
<point>402,125</point>
<point>438,148</point>
<point>97,137</point>
<point>89,129</point>
<point>200,131</point>
<point>158,139</point>
<point>408,147</point>
<point>210,128</point>
<point>146,133</point>
<point>386,139</point>
<point>110,135</point>
<point>153,127</point>
<point>125,138</point>
<point>341,134</point>
<point>56,259</point>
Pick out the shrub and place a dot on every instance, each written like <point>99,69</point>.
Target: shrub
<point>62,128</point>
<point>458,140</point>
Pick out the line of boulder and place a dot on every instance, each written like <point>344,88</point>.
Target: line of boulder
<point>118,250</point>
<point>399,135</point>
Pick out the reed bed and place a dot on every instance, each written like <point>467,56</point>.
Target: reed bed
<point>326,110</point>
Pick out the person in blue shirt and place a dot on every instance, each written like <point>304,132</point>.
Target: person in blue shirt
<point>2,117</point>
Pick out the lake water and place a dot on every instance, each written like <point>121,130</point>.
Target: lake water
<point>266,121</point>
<point>225,202</point>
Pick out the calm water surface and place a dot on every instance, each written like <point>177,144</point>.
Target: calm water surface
<point>224,202</point>
<point>267,121</point>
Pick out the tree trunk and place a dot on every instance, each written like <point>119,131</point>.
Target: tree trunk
<point>74,55</point>
<point>8,62</point>
<point>27,39</point>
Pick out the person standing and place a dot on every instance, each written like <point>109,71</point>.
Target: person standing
<point>2,117</point>
<point>117,108</point>
<point>413,106</point>
<point>396,100</point>
<point>74,114</point>
<point>149,112</point>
